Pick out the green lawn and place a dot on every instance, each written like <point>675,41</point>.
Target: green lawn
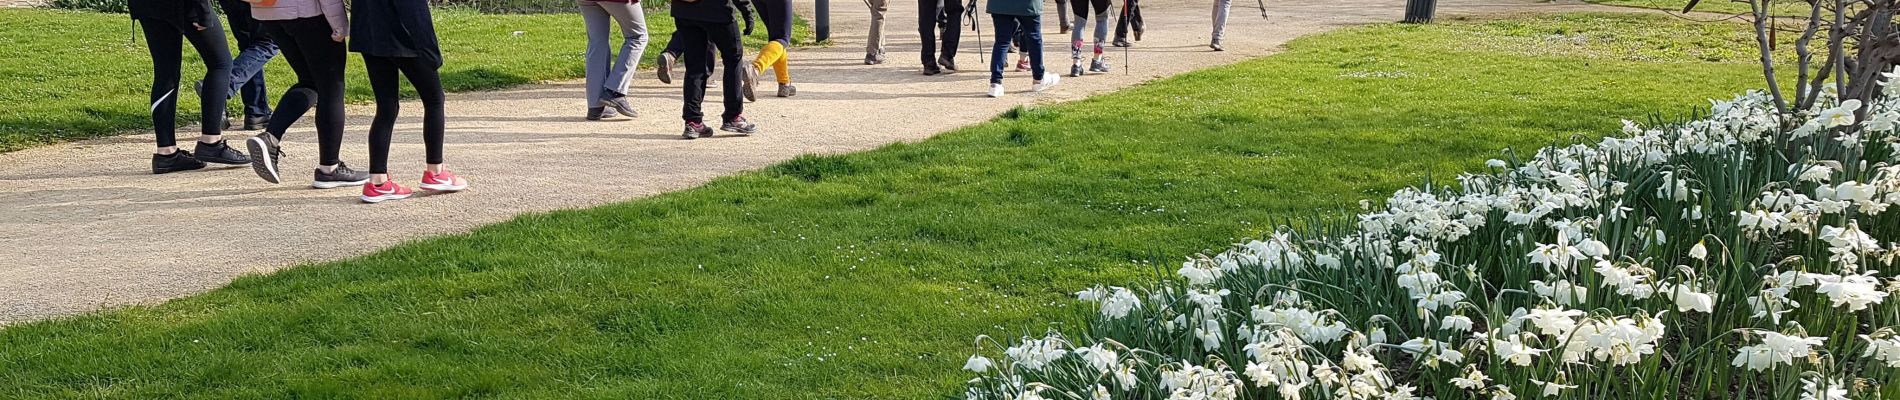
<point>1780,7</point>
<point>865,276</point>
<point>77,75</point>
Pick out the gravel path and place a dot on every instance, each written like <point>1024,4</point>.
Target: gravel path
<point>86,227</point>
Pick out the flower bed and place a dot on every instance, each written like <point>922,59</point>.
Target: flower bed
<point>1724,257</point>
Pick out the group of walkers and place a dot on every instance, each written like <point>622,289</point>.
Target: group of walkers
<point>395,37</point>
<point>397,41</point>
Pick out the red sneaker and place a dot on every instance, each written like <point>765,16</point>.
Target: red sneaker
<point>444,181</point>
<point>389,190</point>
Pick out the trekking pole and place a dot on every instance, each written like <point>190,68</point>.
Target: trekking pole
<point>1263,9</point>
<point>969,12</point>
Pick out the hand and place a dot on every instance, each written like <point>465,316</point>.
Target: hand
<point>338,37</point>
<point>201,28</point>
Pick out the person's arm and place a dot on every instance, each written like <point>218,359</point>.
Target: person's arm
<point>745,10</point>
<point>338,17</point>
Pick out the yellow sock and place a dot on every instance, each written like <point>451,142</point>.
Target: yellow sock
<point>783,68</point>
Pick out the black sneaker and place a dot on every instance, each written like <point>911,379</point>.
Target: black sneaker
<point>1075,69</point>
<point>256,123</point>
<point>947,64</point>
<point>220,153</point>
<point>595,113</point>
<point>740,126</point>
<point>932,70</point>
<point>339,177</point>
<point>665,67</point>
<point>696,129</point>
<point>177,161</point>
<point>1121,43</point>
<point>265,152</point>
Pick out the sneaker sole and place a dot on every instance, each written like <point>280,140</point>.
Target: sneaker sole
<point>260,160</point>
<point>156,171</point>
<point>334,185</point>
<point>379,199</point>
<point>443,187</point>
<point>665,69</point>
<point>740,132</point>
<point>750,86</point>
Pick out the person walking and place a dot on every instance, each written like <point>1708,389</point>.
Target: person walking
<point>167,25</point>
<point>934,16</point>
<point>704,23</point>
<point>1220,23</point>
<point>1062,15</point>
<point>671,54</point>
<point>397,37</point>
<point>777,15</point>
<point>255,49</point>
<point>1130,18</point>
<point>608,77</point>
<point>1099,64</point>
<point>311,34</point>
<point>1011,17</point>
<point>874,43</point>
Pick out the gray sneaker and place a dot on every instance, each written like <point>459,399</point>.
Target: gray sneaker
<point>874,59</point>
<point>665,67</point>
<point>265,152</point>
<point>1100,65</point>
<point>787,90</point>
<point>749,85</point>
<point>619,104</point>
<point>341,176</point>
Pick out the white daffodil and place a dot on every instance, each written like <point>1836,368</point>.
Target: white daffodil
<point>1841,115</point>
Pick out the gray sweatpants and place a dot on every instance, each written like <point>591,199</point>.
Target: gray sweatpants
<point>605,72</point>
<point>874,45</point>
<point>1220,18</point>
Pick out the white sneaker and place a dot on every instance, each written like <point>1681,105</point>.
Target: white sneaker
<point>996,90</point>
<point>1048,80</point>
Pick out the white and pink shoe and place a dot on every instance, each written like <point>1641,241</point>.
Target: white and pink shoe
<point>387,191</point>
<point>444,181</point>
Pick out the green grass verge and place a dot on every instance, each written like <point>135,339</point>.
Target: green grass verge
<point>864,276</point>
<point>1778,7</point>
<point>76,75</point>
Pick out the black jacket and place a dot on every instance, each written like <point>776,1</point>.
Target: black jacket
<point>394,28</point>
<point>707,10</point>
<point>183,12</point>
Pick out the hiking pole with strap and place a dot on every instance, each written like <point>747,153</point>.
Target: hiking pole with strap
<point>969,12</point>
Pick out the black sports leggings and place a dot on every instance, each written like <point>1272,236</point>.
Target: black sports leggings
<point>1131,14</point>
<point>318,62</point>
<point>382,80</point>
<point>166,39</point>
<point>777,15</point>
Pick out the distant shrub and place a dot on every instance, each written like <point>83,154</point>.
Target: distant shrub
<point>107,6</point>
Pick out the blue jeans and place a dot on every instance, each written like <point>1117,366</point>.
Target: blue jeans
<point>1006,28</point>
<point>254,50</point>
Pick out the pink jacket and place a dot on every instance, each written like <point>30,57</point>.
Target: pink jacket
<point>281,10</point>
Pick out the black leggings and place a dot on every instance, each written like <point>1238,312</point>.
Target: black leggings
<point>1090,8</point>
<point>777,15</point>
<point>166,40</point>
<point>318,62</point>
<point>382,80</point>
<point>1131,14</point>
<point>699,39</point>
